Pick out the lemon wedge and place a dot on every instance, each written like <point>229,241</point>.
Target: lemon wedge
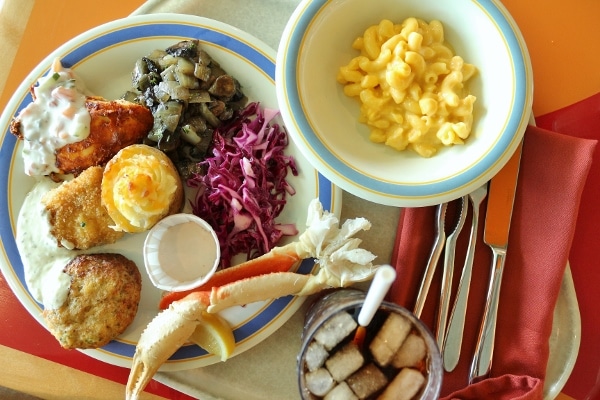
<point>214,335</point>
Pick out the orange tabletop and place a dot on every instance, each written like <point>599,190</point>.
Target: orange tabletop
<point>562,39</point>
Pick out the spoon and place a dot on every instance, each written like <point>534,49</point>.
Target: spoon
<point>383,279</point>
<point>448,271</point>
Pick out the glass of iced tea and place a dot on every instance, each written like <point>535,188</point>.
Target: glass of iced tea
<point>398,357</point>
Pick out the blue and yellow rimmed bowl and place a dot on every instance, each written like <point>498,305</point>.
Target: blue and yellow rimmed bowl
<point>323,122</point>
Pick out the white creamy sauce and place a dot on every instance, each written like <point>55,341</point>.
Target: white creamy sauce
<point>43,261</point>
<point>55,118</point>
<point>187,251</point>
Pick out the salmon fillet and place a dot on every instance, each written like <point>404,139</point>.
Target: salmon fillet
<point>114,125</point>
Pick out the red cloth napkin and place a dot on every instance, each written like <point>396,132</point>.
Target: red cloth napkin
<point>553,172</point>
<point>582,119</point>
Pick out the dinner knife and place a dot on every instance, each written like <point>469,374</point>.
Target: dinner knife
<point>501,197</point>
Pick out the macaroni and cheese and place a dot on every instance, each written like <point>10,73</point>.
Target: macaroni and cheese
<point>411,86</point>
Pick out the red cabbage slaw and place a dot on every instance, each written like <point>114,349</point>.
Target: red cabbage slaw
<point>244,187</point>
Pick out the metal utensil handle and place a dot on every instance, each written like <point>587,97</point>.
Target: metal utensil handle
<point>434,257</point>
<point>484,350</point>
<point>436,252</point>
<point>446,289</point>
<point>456,323</point>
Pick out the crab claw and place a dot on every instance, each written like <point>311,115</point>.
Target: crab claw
<point>166,333</point>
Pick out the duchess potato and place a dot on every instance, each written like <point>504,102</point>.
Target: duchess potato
<point>140,186</point>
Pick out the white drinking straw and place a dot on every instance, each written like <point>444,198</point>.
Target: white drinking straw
<point>383,279</point>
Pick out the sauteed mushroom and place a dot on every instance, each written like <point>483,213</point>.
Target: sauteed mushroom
<point>189,95</point>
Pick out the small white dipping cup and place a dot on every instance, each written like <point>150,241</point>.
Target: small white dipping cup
<point>181,252</point>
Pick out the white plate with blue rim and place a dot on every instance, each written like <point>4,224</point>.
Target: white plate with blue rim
<point>323,122</point>
<point>104,58</point>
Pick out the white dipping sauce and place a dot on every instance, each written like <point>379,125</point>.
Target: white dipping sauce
<point>187,251</point>
<point>55,118</point>
<point>181,252</point>
<point>43,261</point>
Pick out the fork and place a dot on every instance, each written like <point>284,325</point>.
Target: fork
<point>448,272</point>
<point>456,324</point>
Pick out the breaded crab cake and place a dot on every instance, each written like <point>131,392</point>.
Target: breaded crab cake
<point>102,301</point>
<point>77,218</point>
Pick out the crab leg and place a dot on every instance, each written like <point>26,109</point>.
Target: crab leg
<point>166,333</point>
<point>280,259</point>
<point>257,288</point>
<point>271,286</point>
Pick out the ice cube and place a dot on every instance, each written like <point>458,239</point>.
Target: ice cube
<point>315,356</point>
<point>341,392</point>
<point>367,381</point>
<point>404,386</point>
<point>335,330</point>
<point>345,361</point>
<point>412,351</point>
<point>390,337</point>
<point>319,382</point>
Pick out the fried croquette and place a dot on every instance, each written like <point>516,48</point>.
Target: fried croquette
<point>77,218</point>
<point>114,125</point>
<point>102,301</point>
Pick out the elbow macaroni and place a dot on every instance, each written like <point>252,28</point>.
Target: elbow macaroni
<point>411,86</point>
